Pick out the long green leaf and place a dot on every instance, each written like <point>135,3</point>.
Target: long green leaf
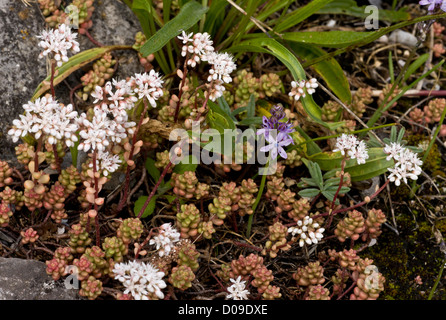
<point>415,65</point>
<point>349,7</point>
<point>75,63</point>
<point>301,14</point>
<point>372,36</point>
<point>375,165</point>
<point>329,39</point>
<point>188,16</point>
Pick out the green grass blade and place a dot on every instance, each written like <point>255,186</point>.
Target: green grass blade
<point>188,16</point>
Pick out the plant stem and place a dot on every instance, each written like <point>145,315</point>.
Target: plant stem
<point>337,191</point>
<point>431,294</point>
<point>53,71</point>
<point>356,205</point>
<point>36,154</point>
<point>56,158</point>
<point>127,173</point>
<point>254,207</point>
<point>96,195</point>
<point>180,93</point>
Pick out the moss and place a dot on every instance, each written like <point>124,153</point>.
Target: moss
<point>441,226</point>
<point>433,160</point>
<point>401,258</point>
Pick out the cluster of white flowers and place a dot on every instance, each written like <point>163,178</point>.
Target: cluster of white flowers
<point>199,45</point>
<point>98,132</point>
<point>222,65</point>
<point>165,240</point>
<point>47,117</point>
<point>350,145</point>
<point>140,279</point>
<point>299,89</point>
<point>308,231</point>
<point>107,163</point>
<point>237,290</point>
<point>149,85</point>
<point>58,42</point>
<point>407,163</point>
<point>116,98</point>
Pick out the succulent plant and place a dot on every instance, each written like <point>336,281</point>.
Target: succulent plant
<point>29,236</point>
<point>91,288</point>
<point>181,277</point>
<point>310,275</point>
<point>188,220</point>
<point>130,230</point>
<point>351,226</point>
<point>79,238</point>
<point>5,174</point>
<point>318,292</point>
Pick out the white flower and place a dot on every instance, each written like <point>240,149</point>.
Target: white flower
<point>198,45</point>
<point>149,85</point>
<point>165,239</point>
<point>308,231</point>
<point>345,142</point>
<point>349,145</point>
<point>94,133</point>
<point>47,117</point>
<point>107,163</point>
<point>407,163</point>
<point>299,89</point>
<point>393,150</point>
<point>359,152</point>
<point>311,85</point>
<point>222,65</point>
<point>58,42</point>
<point>186,37</point>
<point>98,94</point>
<point>140,279</point>
<point>216,89</point>
<point>237,290</point>
<point>22,126</point>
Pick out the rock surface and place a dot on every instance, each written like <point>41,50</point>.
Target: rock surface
<point>22,279</point>
<point>21,70</point>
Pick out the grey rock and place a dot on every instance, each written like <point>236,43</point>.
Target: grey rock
<point>22,279</point>
<point>21,70</point>
<point>403,37</point>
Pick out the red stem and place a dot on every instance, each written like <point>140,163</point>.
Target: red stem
<point>53,71</point>
<point>348,290</point>
<point>96,195</point>
<point>57,159</point>
<point>127,173</point>
<point>356,205</point>
<point>337,192</point>
<point>180,93</point>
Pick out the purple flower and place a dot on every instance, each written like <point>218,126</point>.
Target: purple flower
<point>433,4</point>
<point>276,144</point>
<point>273,122</point>
<point>276,132</point>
